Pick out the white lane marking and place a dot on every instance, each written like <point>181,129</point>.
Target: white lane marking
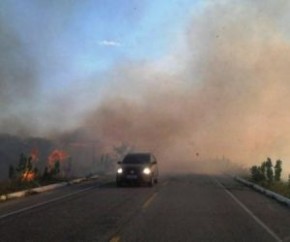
<point>149,200</point>
<point>43,203</point>
<point>115,239</point>
<point>257,220</point>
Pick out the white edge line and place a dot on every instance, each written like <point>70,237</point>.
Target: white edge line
<point>258,221</point>
<point>43,203</point>
<point>267,192</point>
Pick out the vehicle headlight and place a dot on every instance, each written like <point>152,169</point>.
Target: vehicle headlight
<point>120,171</point>
<point>146,171</point>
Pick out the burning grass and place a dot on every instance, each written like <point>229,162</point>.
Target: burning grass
<point>26,174</point>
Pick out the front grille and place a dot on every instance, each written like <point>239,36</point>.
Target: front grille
<point>131,171</point>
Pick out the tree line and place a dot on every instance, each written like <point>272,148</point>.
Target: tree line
<point>267,172</point>
<point>25,168</point>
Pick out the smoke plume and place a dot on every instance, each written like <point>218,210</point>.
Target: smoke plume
<point>228,98</point>
<point>223,92</point>
<point>18,84</point>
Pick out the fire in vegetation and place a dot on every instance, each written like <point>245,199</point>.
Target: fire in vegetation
<point>28,176</point>
<point>34,155</point>
<point>27,169</point>
<point>57,165</point>
<point>57,155</point>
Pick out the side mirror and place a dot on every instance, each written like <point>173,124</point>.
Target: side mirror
<point>119,162</point>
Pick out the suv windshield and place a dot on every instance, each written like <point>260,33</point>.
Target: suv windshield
<point>136,159</point>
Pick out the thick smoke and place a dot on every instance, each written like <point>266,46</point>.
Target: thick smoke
<point>223,93</point>
<point>18,84</point>
<point>228,98</point>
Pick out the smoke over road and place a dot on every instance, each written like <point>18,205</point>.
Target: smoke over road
<point>223,91</point>
<point>229,97</point>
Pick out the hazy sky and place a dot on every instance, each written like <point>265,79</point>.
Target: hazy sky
<point>61,44</point>
<point>193,76</point>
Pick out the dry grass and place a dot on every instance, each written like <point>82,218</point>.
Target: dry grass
<point>282,188</point>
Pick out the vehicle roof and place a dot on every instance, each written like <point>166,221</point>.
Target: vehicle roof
<point>138,157</point>
<point>140,153</point>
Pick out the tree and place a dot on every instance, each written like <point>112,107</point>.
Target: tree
<point>21,164</point>
<point>256,174</point>
<point>269,170</point>
<point>27,168</point>
<point>46,174</point>
<point>278,170</point>
<point>56,168</point>
<point>263,169</point>
<point>35,171</point>
<point>11,172</point>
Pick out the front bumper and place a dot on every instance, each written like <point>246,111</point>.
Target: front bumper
<point>140,178</point>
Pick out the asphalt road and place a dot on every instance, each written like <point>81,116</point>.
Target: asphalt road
<point>180,208</point>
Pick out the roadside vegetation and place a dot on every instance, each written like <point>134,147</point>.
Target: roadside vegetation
<point>27,175</point>
<point>31,172</point>
<point>268,175</point>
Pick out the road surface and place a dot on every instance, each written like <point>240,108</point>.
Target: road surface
<point>180,208</point>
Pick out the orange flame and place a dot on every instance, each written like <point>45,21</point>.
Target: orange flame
<point>57,155</point>
<point>34,155</point>
<point>28,176</point>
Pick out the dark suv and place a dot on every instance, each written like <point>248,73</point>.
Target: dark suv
<point>137,168</point>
